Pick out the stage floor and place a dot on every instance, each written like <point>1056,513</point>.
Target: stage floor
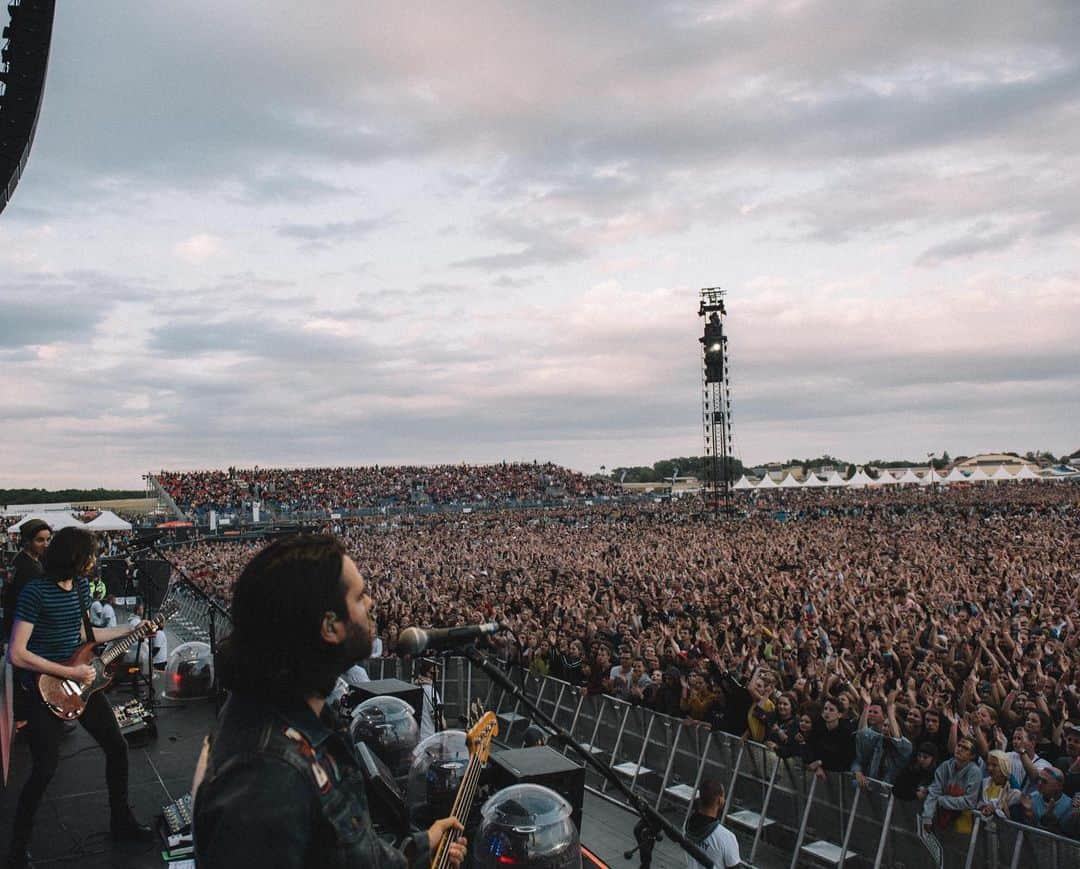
<point>73,822</point>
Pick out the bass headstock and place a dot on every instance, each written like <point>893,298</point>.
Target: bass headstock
<point>481,735</point>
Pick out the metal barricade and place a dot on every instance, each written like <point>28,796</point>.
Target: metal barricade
<point>776,803</point>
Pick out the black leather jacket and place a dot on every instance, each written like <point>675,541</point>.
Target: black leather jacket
<point>284,789</point>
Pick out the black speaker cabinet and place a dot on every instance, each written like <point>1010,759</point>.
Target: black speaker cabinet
<point>152,576</point>
<point>114,574</point>
<point>411,694</point>
<point>544,766</point>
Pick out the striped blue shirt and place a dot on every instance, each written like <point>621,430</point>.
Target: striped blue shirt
<point>56,616</point>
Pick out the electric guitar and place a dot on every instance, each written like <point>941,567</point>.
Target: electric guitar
<point>66,698</point>
<point>479,740</point>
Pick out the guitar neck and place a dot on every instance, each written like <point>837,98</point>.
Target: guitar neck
<point>122,645</point>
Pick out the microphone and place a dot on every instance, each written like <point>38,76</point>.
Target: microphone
<point>413,641</point>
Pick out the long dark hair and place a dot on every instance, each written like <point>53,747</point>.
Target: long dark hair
<point>279,602</point>
<point>69,553</point>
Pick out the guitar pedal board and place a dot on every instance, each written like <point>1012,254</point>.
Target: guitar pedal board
<point>177,815</point>
<point>136,722</point>
<point>175,829</point>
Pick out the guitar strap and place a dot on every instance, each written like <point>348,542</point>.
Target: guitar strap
<point>89,628</point>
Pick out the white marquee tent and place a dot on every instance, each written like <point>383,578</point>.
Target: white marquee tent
<point>834,479</point>
<point>767,482</point>
<point>886,479</point>
<point>789,482</point>
<point>107,520</point>
<point>813,481</point>
<point>978,476</point>
<point>56,518</point>
<point>743,483</point>
<point>860,479</point>
<point>955,476</point>
<point>1025,473</point>
<point>1001,474</point>
<point>909,476</point>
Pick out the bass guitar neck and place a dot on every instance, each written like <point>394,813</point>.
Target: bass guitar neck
<point>479,740</point>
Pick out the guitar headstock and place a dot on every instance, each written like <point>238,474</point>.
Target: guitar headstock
<point>481,735</point>
<point>168,609</point>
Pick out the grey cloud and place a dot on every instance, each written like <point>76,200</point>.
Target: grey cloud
<point>258,338</point>
<point>30,323</point>
<point>275,101</point>
<point>506,282</point>
<point>284,187</point>
<point>538,243</point>
<point>333,232</point>
<point>551,252</point>
<point>974,243</point>
<point>43,308</point>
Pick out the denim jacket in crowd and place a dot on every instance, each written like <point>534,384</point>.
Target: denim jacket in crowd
<point>879,756</point>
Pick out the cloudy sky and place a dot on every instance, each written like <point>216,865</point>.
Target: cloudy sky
<point>345,232</point>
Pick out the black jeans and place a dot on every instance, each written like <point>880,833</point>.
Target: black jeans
<point>45,731</point>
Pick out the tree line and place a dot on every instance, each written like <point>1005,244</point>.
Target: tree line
<point>74,496</point>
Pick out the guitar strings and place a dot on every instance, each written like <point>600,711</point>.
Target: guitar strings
<point>466,794</point>
<point>467,784</point>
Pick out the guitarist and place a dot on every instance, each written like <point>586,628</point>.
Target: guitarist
<point>281,786</point>
<point>50,625</point>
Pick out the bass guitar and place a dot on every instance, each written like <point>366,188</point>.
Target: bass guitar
<point>66,698</point>
<point>479,740</point>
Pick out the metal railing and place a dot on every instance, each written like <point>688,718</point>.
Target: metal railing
<point>777,803</point>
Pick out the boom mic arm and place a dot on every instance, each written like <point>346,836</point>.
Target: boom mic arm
<point>413,641</point>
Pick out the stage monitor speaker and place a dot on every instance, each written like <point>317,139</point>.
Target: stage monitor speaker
<point>114,574</point>
<point>544,766</point>
<point>411,694</point>
<point>152,576</point>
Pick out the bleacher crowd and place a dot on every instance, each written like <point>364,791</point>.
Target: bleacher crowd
<point>293,490</point>
<point>928,639</point>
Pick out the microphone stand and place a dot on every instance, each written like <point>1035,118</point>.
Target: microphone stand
<point>211,613</point>
<point>652,825</point>
<point>130,556</point>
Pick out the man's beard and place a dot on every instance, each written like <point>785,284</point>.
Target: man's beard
<point>358,644</point>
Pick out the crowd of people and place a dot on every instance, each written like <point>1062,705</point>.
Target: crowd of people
<point>293,490</point>
<point>931,642</point>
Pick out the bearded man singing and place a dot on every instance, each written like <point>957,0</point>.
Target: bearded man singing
<point>282,787</point>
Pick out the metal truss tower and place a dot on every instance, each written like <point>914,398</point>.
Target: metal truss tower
<point>716,402</point>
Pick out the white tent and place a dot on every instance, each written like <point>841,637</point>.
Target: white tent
<point>743,483</point>
<point>813,481</point>
<point>908,476</point>
<point>834,479</point>
<point>767,482</point>
<point>107,520</point>
<point>859,480</point>
<point>886,479</point>
<point>929,478</point>
<point>56,518</point>
<point>1025,473</point>
<point>955,476</point>
<point>1001,474</point>
<point>789,482</point>
<point>978,476</point>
